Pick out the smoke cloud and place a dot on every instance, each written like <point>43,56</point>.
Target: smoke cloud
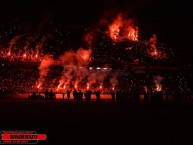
<point>14,41</point>
<point>74,64</point>
<point>45,64</point>
<point>114,80</point>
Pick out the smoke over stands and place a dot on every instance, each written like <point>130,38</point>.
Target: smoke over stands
<point>87,57</point>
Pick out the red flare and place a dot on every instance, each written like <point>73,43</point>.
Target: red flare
<point>36,55</point>
<point>101,86</point>
<point>9,53</point>
<point>38,86</point>
<point>122,28</point>
<point>88,86</point>
<point>24,55</point>
<point>59,86</point>
<point>158,88</point>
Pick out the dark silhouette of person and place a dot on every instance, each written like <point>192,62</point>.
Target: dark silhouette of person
<point>46,93</point>
<point>160,97</point>
<point>113,95</point>
<point>51,95</point>
<point>151,97</point>
<point>39,96</point>
<point>33,95</point>
<point>75,95</point>
<point>146,97</point>
<point>54,95</point>
<point>88,95</point>
<point>80,95</point>
<point>98,95</point>
<point>68,94</point>
<point>123,96</point>
<point>126,96</point>
<point>63,95</point>
<point>118,95</point>
<point>154,97</point>
<point>157,97</point>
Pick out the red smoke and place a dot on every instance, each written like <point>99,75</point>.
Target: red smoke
<point>122,28</point>
<point>44,68</point>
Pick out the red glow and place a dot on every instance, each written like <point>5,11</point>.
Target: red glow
<point>20,55</point>
<point>85,57</point>
<point>38,86</point>
<point>101,86</point>
<point>59,86</point>
<point>114,28</point>
<point>88,86</point>
<point>84,54</point>
<point>155,53</point>
<point>132,34</point>
<point>36,55</point>
<point>122,28</point>
<point>145,87</point>
<point>9,53</point>
<point>114,31</point>
<point>158,87</point>
<point>24,55</point>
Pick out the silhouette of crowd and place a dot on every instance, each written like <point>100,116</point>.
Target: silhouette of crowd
<point>47,95</point>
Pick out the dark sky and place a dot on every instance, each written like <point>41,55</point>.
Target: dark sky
<point>172,21</point>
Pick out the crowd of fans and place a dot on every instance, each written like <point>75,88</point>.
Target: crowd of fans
<point>14,81</point>
<point>26,81</point>
<point>20,56</point>
<point>104,51</point>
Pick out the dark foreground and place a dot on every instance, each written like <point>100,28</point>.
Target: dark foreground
<point>100,123</point>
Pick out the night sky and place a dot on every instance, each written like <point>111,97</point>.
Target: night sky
<point>172,21</point>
